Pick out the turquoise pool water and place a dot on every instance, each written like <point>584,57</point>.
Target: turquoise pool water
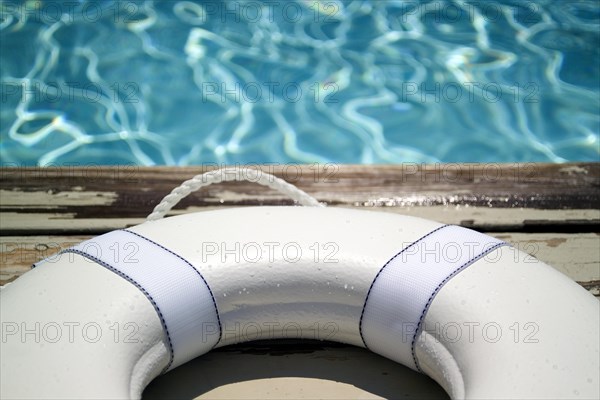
<point>182,82</point>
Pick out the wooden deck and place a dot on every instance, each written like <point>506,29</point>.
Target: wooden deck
<point>549,211</point>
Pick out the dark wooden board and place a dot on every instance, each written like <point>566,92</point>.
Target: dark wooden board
<point>93,199</point>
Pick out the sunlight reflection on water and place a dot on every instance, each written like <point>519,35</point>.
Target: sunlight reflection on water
<point>182,82</point>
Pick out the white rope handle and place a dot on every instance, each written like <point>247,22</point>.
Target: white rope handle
<point>231,174</point>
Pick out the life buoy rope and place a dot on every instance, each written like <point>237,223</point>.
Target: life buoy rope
<point>227,175</point>
<point>397,274</point>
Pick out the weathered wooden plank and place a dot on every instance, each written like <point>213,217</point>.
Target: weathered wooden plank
<point>24,223</point>
<point>489,219</point>
<point>532,185</point>
<point>575,255</point>
<point>18,253</point>
<point>94,199</point>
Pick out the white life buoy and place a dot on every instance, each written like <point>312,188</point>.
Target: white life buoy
<point>102,319</point>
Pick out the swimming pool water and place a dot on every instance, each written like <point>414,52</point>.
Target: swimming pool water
<point>182,82</point>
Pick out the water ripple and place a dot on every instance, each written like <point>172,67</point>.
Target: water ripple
<point>191,82</point>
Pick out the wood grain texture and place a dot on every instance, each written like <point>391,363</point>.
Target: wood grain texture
<point>548,210</point>
<point>92,199</point>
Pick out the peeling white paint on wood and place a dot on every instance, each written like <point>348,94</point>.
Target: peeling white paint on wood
<point>57,222</point>
<point>469,216</point>
<point>56,202</point>
<point>49,198</point>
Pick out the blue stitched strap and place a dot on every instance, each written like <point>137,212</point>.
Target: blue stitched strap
<point>182,298</point>
<point>404,288</point>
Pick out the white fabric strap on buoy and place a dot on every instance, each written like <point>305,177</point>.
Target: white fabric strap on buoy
<point>180,295</point>
<point>404,288</point>
<point>231,174</point>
